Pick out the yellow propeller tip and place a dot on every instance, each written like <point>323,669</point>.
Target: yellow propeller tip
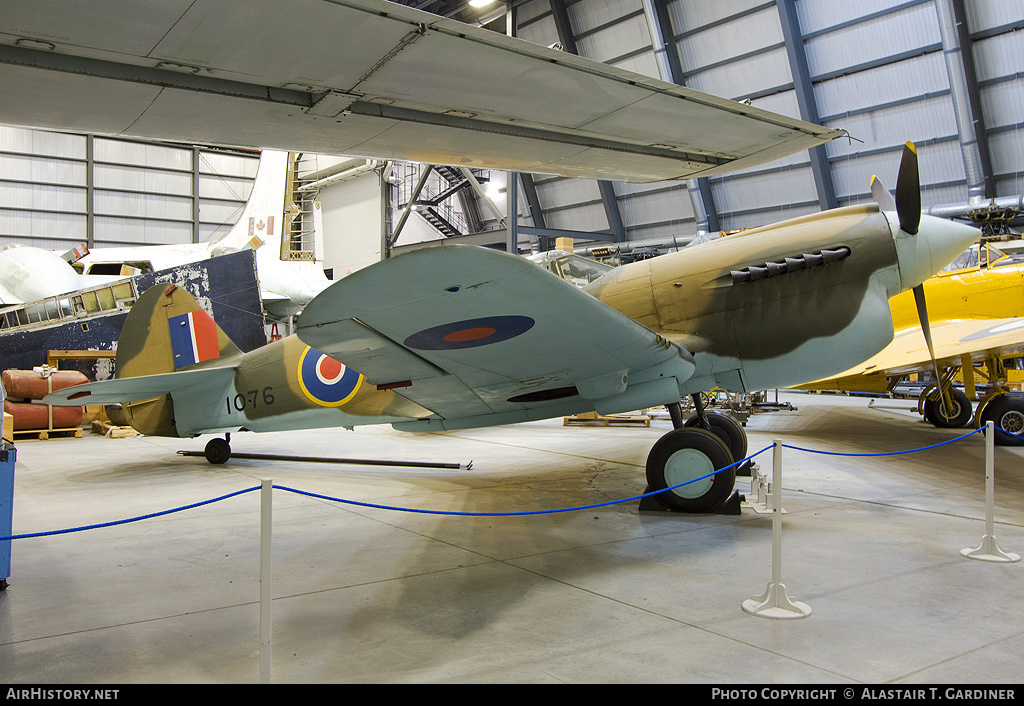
<point>911,146</point>
<point>874,178</point>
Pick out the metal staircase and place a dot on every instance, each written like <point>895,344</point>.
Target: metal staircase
<point>444,199</point>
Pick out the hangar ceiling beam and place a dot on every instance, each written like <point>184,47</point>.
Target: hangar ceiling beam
<point>804,88</point>
<point>963,84</point>
<point>670,65</point>
<point>611,204</point>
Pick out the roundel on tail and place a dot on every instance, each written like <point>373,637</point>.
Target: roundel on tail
<point>326,381</point>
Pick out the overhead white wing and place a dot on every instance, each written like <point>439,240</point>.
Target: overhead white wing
<point>368,78</point>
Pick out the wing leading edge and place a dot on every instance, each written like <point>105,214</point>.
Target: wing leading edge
<point>482,337</point>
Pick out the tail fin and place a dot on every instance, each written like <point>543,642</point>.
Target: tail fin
<point>262,221</point>
<point>167,331</point>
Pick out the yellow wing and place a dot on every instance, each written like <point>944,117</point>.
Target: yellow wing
<point>954,341</point>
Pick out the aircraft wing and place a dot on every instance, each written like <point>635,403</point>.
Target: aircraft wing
<point>481,337</point>
<point>122,390</point>
<point>366,78</point>
<point>975,339</point>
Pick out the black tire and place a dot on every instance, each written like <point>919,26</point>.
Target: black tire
<point>1008,414</point>
<point>726,428</point>
<point>217,450</point>
<point>682,455</point>
<point>937,415</point>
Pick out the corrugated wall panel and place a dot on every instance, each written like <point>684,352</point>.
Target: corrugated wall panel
<point>591,14</point>
<point>908,30</point>
<point>1008,159</point>
<point>137,185</point>
<point>46,144</point>
<point>17,167</point>
<point>39,197</point>
<point>887,127</point>
<point>744,76</point>
<point>818,15</point>
<point>134,231</point>
<point>656,207</point>
<point>124,178</point>
<point>45,230</point>
<point>897,81</point>
<point>748,193</point>
<point>743,35</point>
<point>1001,55</point>
<point>985,14</point>
<point>627,36</point>
<point>688,15</point>
<point>1003,103</point>
<point>589,217</point>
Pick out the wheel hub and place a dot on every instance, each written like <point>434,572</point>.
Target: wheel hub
<point>684,466</point>
<point>1013,422</point>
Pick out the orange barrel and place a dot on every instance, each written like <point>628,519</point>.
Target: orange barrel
<point>27,384</point>
<point>29,415</point>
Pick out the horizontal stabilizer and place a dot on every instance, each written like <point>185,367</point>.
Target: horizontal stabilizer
<point>124,390</point>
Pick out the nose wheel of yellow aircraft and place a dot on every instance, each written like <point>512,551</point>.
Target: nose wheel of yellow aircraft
<point>218,450</point>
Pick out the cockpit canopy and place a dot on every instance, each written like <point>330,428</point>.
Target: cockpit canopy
<point>575,269</point>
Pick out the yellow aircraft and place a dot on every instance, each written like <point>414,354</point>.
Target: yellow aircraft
<point>974,309</point>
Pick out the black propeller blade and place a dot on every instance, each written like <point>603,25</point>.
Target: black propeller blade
<point>926,329</point>
<point>908,191</point>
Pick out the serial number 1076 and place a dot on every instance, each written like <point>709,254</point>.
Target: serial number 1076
<point>250,400</point>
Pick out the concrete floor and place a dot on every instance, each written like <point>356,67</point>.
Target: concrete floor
<point>607,595</point>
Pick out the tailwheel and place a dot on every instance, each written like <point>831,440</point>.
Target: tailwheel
<point>1008,414</point>
<point>684,455</point>
<point>217,450</point>
<point>726,428</point>
<point>958,415</point>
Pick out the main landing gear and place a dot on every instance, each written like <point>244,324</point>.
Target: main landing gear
<point>218,450</point>
<point>950,408</point>
<point>693,451</point>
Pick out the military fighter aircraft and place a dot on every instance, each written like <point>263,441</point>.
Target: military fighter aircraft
<point>456,337</point>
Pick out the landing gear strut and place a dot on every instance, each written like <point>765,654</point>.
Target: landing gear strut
<point>218,450</point>
<point>689,456</point>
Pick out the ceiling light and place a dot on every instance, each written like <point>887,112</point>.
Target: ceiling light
<point>480,3</point>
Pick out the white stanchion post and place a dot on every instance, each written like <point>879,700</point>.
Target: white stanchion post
<point>774,603</point>
<point>989,550</point>
<point>266,511</point>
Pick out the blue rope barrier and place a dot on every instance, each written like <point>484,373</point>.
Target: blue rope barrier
<point>480,514</point>
<point>131,519</point>
<point>885,453</point>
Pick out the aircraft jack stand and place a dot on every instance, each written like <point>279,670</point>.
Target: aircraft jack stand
<point>730,507</point>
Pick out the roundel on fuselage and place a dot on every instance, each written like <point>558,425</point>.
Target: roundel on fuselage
<point>326,381</point>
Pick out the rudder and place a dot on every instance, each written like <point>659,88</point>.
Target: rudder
<point>166,331</point>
